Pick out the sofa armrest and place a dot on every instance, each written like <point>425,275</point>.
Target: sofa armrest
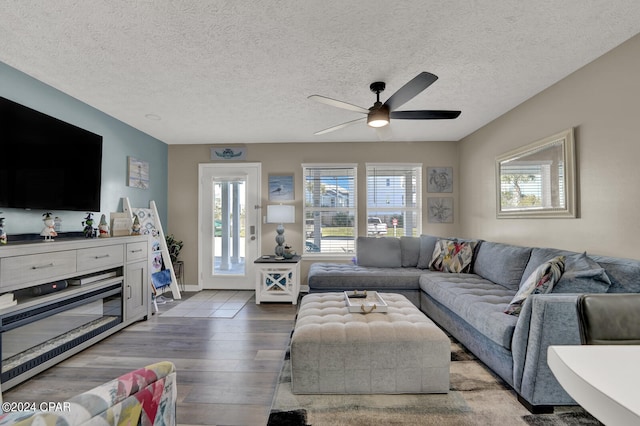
<point>144,396</point>
<point>546,319</point>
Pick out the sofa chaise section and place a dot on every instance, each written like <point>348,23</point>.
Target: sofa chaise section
<point>383,264</point>
<point>332,277</point>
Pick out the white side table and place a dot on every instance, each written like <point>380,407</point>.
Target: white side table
<point>277,280</point>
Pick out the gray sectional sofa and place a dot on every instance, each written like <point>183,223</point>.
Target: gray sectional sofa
<point>470,306</point>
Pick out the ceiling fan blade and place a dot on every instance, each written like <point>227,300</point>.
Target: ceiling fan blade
<point>424,115</point>
<point>340,126</point>
<point>410,90</point>
<point>338,104</point>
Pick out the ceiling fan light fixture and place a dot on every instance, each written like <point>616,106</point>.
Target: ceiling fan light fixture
<point>380,113</point>
<point>378,117</point>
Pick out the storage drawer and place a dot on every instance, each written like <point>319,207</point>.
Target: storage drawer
<point>100,257</point>
<point>36,267</point>
<point>137,251</point>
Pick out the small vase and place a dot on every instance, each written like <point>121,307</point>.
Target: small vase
<point>288,253</point>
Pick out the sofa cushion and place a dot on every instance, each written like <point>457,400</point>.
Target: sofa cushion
<point>346,276</point>
<point>582,275</point>
<point>476,300</point>
<point>623,273</point>
<point>409,251</point>
<point>501,263</point>
<point>452,256</point>
<point>427,245</point>
<point>379,252</point>
<point>541,281</point>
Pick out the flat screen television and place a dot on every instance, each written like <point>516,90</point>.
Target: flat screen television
<point>47,164</point>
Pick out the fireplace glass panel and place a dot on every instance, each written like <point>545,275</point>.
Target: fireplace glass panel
<point>47,331</point>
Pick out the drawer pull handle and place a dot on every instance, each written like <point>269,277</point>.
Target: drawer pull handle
<point>48,265</point>
<point>136,251</point>
<point>101,257</point>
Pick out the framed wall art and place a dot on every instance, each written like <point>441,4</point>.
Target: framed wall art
<point>439,179</point>
<point>440,209</point>
<point>138,172</point>
<point>281,188</point>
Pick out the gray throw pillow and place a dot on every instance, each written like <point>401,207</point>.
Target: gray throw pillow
<point>623,273</point>
<point>427,244</point>
<point>582,275</point>
<point>381,252</point>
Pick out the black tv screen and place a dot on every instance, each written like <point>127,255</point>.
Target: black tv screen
<point>47,164</point>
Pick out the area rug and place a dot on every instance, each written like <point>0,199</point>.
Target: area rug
<point>477,397</point>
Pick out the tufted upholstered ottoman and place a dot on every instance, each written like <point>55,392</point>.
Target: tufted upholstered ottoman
<point>334,351</point>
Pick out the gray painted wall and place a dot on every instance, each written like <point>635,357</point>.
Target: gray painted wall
<point>119,142</point>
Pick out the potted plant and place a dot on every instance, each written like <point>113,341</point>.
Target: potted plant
<point>174,246</point>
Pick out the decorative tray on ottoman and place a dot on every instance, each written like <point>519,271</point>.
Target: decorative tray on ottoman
<point>364,301</point>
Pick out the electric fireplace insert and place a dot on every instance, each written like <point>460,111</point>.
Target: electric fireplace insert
<point>32,336</point>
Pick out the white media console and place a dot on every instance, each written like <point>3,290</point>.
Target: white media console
<point>101,286</point>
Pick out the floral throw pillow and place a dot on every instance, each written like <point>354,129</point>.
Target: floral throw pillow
<point>541,281</point>
<point>452,256</point>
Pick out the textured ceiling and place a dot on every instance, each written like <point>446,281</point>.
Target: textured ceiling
<point>240,71</point>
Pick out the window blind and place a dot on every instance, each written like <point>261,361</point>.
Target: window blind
<point>330,209</point>
<point>394,196</point>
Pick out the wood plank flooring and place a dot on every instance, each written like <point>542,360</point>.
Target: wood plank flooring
<point>228,363</point>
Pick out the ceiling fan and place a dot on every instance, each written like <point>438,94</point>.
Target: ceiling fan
<point>380,113</point>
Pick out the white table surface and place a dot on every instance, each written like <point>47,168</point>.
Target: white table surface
<point>603,379</point>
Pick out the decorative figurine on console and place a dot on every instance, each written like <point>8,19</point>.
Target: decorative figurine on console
<point>135,228</point>
<point>89,231</point>
<point>49,231</point>
<point>3,233</point>
<point>103,227</point>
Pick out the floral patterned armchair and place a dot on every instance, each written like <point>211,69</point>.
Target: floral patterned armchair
<point>144,397</point>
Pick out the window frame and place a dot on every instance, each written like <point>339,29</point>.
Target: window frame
<point>417,170</point>
<point>353,167</point>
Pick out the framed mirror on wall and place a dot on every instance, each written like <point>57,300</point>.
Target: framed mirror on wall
<point>538,180</point>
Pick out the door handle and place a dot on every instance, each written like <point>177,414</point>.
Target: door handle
<point>252,231</point>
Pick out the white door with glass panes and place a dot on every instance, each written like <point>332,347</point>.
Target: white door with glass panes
<point>229,213</point>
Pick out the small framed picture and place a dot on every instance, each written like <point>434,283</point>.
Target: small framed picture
<point>439,179</point>
<point>138,173</point>
<point>440,209</point>
<point>281,188</point>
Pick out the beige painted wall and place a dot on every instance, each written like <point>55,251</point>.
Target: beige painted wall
<point>283,158</point>
<point>602,102</point>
